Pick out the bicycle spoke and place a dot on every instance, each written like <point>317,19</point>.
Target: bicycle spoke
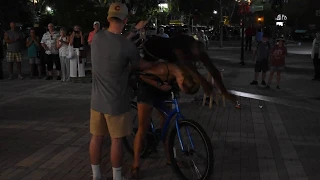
<point>199,156</point>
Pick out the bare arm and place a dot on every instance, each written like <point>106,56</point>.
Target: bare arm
<point>37,42</point>
<point>58,43</point>
<point>43,43</point>
<point>130,35</point>
<point>7,39</point>
<point>28,42</point>
<point>71,39</point>
<point>207,87</point>
<point>142,65</point>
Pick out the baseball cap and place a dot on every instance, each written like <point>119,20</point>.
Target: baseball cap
<point>96,22</point>
<point>118,10</point>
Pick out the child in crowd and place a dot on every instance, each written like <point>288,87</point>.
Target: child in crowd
<point>278,55</point>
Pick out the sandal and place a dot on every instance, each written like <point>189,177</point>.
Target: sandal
<point>135,173</point>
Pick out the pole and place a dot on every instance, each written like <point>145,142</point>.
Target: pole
<point>221,26</point>
<point>242,42</point>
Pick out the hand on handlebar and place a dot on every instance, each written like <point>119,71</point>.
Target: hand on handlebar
<point>165,87</point>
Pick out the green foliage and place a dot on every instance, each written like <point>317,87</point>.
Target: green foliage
<point>144,9</point>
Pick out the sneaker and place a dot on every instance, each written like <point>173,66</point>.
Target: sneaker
<point>263,83</point>
<point>267,87</point>
<point>278,87</point>
<point>59,78</point>
<point>10,77</point>
<point>254,83</point>
<point>49,78</point>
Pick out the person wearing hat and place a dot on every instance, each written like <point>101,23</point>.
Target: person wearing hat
<point>113,56</point>
<point>96,28</point>
<point>261,57</point>
<point>278,56</point>
<point>315,55</point>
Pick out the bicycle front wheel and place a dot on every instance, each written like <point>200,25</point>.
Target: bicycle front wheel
<point>186,165</point>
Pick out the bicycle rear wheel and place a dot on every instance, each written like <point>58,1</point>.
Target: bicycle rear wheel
<point>191,152</point>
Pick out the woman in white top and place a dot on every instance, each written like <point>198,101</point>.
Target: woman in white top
<point>62,45</point>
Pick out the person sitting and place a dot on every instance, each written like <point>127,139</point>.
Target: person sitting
<point>179,53</point>
<point>149,92</point>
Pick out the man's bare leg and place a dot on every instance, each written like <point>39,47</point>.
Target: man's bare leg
<point>10,66</point>
<point>116,158</point>
<point>19,69</point>
<point>95,154</point>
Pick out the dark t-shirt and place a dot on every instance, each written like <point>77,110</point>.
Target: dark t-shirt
<point>111,55</point>
<point>278,56</point>
<point>263,50</point>
<point>77,42</point>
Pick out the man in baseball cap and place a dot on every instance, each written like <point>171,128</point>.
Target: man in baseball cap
<point>96,28</point>
<point>118,10</point>
<point>112,58</point>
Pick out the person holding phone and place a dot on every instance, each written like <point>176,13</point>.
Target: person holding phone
<point>33,45</point>
<point>77,63</point>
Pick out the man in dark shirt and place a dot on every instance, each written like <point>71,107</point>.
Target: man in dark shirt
<point>261,57</point>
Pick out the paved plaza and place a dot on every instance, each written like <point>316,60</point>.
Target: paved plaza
<point>44,130</point>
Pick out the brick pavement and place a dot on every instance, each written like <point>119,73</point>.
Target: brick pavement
<point>44,135</point>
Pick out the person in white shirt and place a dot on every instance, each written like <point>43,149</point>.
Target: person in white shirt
<point>162,34</point>
<point>62,45</point>
<point>48,42</point>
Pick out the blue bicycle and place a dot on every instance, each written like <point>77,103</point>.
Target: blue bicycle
<point>187,145</point>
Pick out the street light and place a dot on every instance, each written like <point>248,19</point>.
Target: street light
<point>48,9</point>
<point>243,10</point>
<point>215,12</point>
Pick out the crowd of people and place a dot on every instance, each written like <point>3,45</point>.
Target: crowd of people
<point>56,55</point>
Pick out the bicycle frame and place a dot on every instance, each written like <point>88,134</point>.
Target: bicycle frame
<point>170,114</point>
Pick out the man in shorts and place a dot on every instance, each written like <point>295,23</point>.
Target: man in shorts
<point>13,38</point>
<point>261,57</point>
<point>48,42</point>
<point>112,56</point>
